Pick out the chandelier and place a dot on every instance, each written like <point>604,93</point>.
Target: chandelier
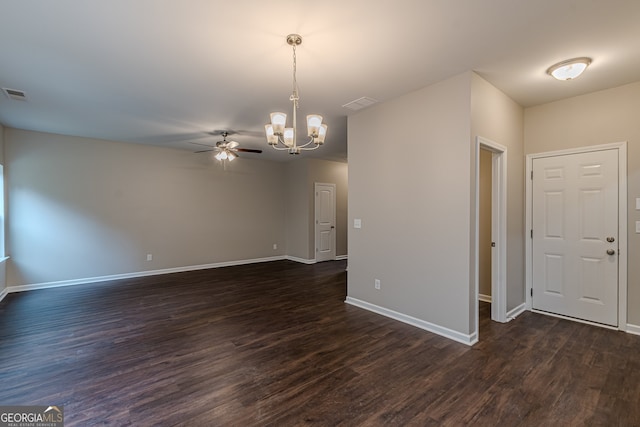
<point>281,137</point>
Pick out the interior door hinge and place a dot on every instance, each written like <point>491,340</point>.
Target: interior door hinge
<point>531,175</point>
<point>531,291</point>
<point>532,233</point>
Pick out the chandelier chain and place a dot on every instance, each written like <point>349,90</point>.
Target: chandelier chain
<point>294,96</point>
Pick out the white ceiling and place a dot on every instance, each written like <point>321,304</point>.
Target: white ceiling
<point>167,72</point>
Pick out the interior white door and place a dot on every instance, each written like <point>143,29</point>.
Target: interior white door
<point>325,214</point>
<point>575,235</point>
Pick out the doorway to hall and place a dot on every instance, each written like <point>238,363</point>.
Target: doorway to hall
<point>491,229</point>
<point>484,228</point>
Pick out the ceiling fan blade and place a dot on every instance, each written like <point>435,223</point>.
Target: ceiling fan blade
<point>248,150</point>
<point>204,151</point>
<point>202,145</point>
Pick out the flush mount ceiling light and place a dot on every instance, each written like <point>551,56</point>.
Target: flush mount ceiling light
<point>283,138</point>
<point>569,69</point>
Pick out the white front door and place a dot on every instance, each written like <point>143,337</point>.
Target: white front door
<point>575,235</point>
<point>325,214</point>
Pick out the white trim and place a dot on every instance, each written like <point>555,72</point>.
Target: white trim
<point>512,314</point>
<point>622,223</point>
<point>4,292</point>
<point>499,228</point>
<point>87,280</point>
<point>623,237</point>
<point>300,260</point>
<point>633,329</point>
<point>73,282</point>
<point>418,323</point>
<point>484,298</point>
<point>342,257</point>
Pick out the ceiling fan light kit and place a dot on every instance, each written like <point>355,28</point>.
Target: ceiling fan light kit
<point>225,155</point>
<point>569,69</point>
<point>281,137</point>
<point>228,150</point>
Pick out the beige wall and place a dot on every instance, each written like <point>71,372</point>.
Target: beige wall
<point>498,118</point>
<point>484,233</point>
<point>297,209</point>
<point>409,183</point>
<point>83,208</point>
<point>328,172</point>
<point>599,118</point>
<point>3,264</point>
<point>1,144</point>
<point>302,174</point>
<point>417,205</point>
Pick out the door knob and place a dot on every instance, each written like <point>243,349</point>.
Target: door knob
<point>611,239</point>
<point>610,252</point>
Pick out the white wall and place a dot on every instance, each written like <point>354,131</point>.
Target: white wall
<point>409,183</point>
<point>83,208</point>
<point>602,117</point>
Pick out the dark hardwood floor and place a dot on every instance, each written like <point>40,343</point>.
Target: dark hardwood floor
<point>274,344</point>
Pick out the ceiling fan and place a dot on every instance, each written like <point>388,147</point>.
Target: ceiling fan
<point>228,150</point>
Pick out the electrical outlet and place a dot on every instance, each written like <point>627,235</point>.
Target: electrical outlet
<point>149,257</point>
<point>275,246</point>
<point>376,283</point>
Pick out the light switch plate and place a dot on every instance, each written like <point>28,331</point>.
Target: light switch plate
<point>638,203</point>
<point>637,226</point>
<point>357,223</point>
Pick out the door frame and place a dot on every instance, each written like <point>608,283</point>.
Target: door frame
<point>622,226</point>
<point>498,229</point>
<point>315,217</point>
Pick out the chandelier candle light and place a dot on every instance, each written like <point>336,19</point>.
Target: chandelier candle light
<point>284,138</point>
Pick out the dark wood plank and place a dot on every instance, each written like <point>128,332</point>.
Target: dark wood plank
<point>275,344</point>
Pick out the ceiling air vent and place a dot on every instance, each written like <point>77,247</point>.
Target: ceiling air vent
<point>360,103</point>
<point>15,94</point>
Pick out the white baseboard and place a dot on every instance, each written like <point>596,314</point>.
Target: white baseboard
<point>301,260</point>
<point>422,324</point>
<point>86,280</point>
<point>312,261</point>
<point>484,298</point>
<point>512,314</point>
<point>633,329</point>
